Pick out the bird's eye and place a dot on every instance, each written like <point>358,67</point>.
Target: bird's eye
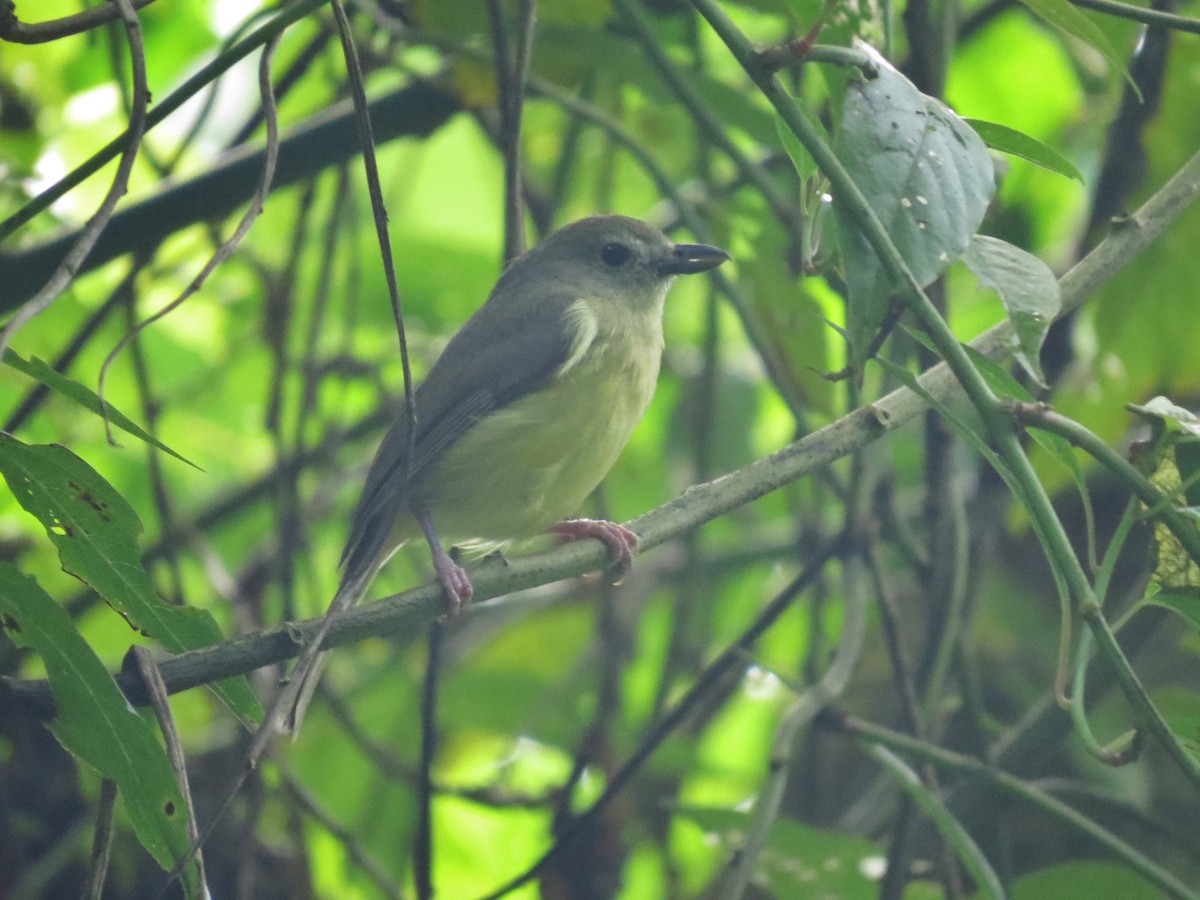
<point>615,255</point>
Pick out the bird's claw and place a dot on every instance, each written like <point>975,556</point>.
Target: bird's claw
<point>455,582</point>
<point>622,543</point>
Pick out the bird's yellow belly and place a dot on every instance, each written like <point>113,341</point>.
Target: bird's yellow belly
<point>533,463</point>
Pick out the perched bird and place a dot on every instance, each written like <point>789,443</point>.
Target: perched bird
<point>527,408</point>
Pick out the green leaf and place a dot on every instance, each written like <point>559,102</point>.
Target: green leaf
<point>1069,20</point>
<point>96,532</point>
<point>1019,144</point>
<point>801,158</point>
<point>798,860</point>
<point>928,177</point>
<point>1028,290</point>
<point>1084,881</point>
<point>95,722</point>
<point>40,371</point>
<point>1187,729</point>
<point>792,322</point>
<point>1183,601</point>
<point>1002,382</point>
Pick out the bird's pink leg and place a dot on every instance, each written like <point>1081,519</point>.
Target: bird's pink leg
<point>452,577</point>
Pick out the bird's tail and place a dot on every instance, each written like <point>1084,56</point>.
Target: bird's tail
<point>302,681</point>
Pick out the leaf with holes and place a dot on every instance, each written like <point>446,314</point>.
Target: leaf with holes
<point>926,174</point>
<point>95,722</point>
<point>96,530</point>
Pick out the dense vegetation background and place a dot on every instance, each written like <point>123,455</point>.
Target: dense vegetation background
<point>832,672</point>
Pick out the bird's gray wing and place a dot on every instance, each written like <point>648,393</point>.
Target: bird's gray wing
<point>503,352</point>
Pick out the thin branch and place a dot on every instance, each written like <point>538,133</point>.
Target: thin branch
<point>294,696</point>
<point>511,75</point>
<point>162,108</point>
<point>69,266</point>
<point>986,881</point>
<point>226,249</point>
<point>348,837</point>
<point>1009,455</point>
<point>711,678</point>
<point>1039,415</point>
<point>146,669</point>
<point>803,710</point>
<point>326,139</point>
<point>412,611</point>
<point>106,806</point>
<point>1010,784</point>
<point>18,32</point>
<point>1143,15</point>
<point>716,131</point>
<point>423,840</point>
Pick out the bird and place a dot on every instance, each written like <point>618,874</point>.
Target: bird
<point>525,411</point>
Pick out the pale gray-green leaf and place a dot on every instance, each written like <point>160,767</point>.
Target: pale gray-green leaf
<point>1175,417</point>
<point>926,174</point>
<point>1028,290</point>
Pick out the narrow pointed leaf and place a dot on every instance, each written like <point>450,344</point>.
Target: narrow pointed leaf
<point>1070,20</point>
<point>1017,143</point>
<point>42,372</point>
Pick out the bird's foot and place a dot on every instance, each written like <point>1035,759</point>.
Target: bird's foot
<point>454,581</point>
<point>622,543</point>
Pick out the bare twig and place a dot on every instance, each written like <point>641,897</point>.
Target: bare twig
<point>66,270</point>
<point>17,32</point>
<point>147,670</point>
<point>106,806</point>
<point>423,840</point>
<point>713,676</point>
<point>511,74</point>
<point>226,249</point>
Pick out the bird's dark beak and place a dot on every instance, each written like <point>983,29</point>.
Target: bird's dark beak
<point>686,259</point>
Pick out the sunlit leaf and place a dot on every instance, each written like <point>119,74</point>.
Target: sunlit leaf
<point>96,531</point>
<point>800,860</point>
<point>1185,601</point>
<point>38,369</point>
<point>1173,416</point>
<point>1084,881</point>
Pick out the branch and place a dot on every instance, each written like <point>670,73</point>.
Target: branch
<point>412,611</point>
<point>18,32</point>
<point>327,139</point>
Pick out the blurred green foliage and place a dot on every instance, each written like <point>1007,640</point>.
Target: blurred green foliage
<point>291,344</point>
